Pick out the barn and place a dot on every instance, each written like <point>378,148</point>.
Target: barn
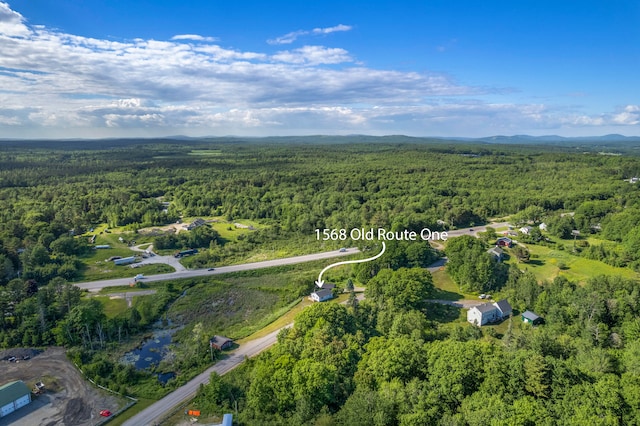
<point>13,395</point>
<point>220,342</point>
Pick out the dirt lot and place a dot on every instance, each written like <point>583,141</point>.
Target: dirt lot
<point>68,400</point>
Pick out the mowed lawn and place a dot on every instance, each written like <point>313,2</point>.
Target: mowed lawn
<point>545,264</point>
<point>447,289</point>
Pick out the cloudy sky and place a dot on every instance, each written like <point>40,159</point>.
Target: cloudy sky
<point>108,68</point>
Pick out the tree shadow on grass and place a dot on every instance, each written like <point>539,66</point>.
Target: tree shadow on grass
<point>442,313</point>
<point>445,295</point>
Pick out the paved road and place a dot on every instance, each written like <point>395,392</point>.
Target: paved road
<point>476,229</point>
<point>98,285</point>
<point>157,411</point>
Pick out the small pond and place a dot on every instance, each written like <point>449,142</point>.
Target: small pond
<point>151,352</point>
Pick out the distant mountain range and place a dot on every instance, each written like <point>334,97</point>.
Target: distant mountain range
<point>499,139</point>
<point>613,141</point>
<point>606,139</point>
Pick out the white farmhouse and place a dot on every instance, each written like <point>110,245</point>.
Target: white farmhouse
<point>489,312</point>
<point>321,295</point>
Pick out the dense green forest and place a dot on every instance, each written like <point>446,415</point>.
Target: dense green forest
<point>390,359</point>
<point>382,362</point>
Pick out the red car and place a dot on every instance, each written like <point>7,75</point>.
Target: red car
<point>105,413</point>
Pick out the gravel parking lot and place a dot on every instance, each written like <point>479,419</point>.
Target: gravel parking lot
<point>69,399</point>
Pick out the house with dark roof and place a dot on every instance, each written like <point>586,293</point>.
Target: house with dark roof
<point>497,253</point>
<point>327,286</point>
<point>504,307</point>
<point>322,294</point>
<point>531,318</point>
<point>195,224</point>
<point>220,342</point>
<point>13,395</point>
<point>504,242</point>
<point>489,312</point>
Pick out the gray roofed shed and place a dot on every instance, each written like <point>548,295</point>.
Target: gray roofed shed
<point>531,318</point>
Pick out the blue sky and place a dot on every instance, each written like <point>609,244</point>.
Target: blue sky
<point>421,68</point>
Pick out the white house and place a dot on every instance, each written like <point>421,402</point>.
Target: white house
<point>543,226</point>
<point>321,295</point>
<point>526,230</point>
<point>489,312</point>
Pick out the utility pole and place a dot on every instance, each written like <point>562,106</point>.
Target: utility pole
<point>575,233</point>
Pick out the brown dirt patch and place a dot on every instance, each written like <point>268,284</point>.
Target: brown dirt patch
<point>69,399</point>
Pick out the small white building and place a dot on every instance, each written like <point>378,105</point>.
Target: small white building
<point>321,295</point>
<point>543,226</point>
<point>13,395</point>
<point>526,230</point>
<point>489,312</point>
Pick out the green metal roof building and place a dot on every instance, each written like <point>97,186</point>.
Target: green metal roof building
<point>13,395</point>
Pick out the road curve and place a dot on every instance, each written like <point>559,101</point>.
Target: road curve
<point>156,412</point>
<point>98,285</point>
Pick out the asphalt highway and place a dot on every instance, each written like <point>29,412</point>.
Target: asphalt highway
<point>156,412</point>
<point>98,285</point>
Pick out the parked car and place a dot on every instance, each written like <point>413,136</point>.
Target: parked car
<point>483,296</point>
<point>105,413</point>
<point>342,250</point>
<point>211,269</point>
<point>12,359</point>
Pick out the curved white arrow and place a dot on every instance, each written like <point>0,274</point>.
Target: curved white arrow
<point>320,283</point>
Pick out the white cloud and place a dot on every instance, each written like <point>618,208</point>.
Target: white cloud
<point>55,83</point>
<point>294,35</point>
<point>11,22</point>
<point>193,37</point>
<point>630,115</point>
<point>313,55</point>
<point>330,30</point>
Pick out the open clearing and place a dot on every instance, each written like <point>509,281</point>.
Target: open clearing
<point>547,263</point>
<point>69,399</point>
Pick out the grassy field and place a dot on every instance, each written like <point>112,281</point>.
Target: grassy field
<point>113,306</point>
<point>97,267</point>
<point>447,289</point>
<point>206,152</point>
<point>107,270</point>
<point>238,305</point>
<point>130,412</point>
<point>547,263</point>
<point>280,321</point>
